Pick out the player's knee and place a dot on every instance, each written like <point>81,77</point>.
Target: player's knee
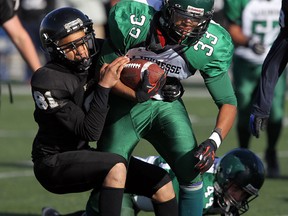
<point>116,176</point>
<point>165,193</point>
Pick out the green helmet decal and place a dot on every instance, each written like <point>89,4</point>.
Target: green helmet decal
<point>193,6</point>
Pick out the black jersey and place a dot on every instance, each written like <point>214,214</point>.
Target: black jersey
<point>8,9</point>
<point>64,125</point>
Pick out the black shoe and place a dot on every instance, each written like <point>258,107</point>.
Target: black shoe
<point>272,170</point>
<point>47,211</point>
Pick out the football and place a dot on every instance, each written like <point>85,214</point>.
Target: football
<point>132,72</point>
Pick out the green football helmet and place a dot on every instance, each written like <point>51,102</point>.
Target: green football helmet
<point>185,21</point>
<point>240,169</point>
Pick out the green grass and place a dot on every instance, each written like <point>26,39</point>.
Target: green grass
<point>21,194</point>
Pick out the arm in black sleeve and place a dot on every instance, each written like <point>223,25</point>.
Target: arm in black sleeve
<point>96,116</point>
<point>87,126</point>
<point>273,67</point>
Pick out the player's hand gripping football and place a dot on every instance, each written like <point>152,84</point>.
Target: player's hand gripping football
<point>205,152</point>
<point>172,90</point>
<point>147,90</point>
<point>110,73</point>
<point>257,123</point>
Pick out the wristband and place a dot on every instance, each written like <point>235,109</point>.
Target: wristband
<point>216,138</point>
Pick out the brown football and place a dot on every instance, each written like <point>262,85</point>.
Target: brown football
<point>133,71</point>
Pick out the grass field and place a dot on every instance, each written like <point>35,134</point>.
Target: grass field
<point>22,195</point>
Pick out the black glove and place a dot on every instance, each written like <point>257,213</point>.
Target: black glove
<point>205,152</point>
<point>172,90</point>
<point>146,90</point>
<point>257,123</point>
<point>257,47</point>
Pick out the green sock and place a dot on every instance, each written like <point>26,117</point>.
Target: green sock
<point>191,202</point>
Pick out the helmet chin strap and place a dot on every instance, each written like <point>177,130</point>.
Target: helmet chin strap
<point>78,66</point>
<point>84,64</point>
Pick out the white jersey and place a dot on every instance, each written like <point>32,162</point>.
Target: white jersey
<point>260,21</point>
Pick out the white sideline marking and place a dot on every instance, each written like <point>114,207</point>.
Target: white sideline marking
<point>14,174</point>
<point>27,173</point>
<point>17,133</point>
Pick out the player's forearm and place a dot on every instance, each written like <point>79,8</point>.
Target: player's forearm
<point>237,35</point>
<point>225,119</point>
<point>23,42</point>
<point>28,52</point>
<point>123,91</point>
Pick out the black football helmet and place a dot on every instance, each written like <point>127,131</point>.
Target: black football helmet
<point>240,169</point>
<point>185,21</point>
<point>60,23</point>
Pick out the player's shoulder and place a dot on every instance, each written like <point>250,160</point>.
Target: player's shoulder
<point>52,76</point>
<point>129,21</point>
<point>220,32</point>
<point>214,49</point>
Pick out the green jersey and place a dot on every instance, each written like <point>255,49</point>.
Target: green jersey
<point>134,34</point>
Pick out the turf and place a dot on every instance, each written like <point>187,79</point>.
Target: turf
<point>21,194</point>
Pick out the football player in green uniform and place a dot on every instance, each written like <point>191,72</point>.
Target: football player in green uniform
<point>182,38</point>
<point>229,185</point>
<point>253,26</point>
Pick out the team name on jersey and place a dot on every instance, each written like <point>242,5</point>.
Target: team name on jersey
<point>170,61</point>
<point>270,12</point>
<point>168,68</point>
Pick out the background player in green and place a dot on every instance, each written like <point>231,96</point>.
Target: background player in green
<point>253,26</point>
<point>178,35</point>
<point>230,184</point>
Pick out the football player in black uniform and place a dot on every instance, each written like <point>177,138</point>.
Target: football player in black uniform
<point>63,160</point>
<point>273,66</point>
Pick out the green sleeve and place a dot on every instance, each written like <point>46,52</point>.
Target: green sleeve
<point>221,89</point>
<point>129,23</point>
<point>215,72</point>
<point>212,56</point>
